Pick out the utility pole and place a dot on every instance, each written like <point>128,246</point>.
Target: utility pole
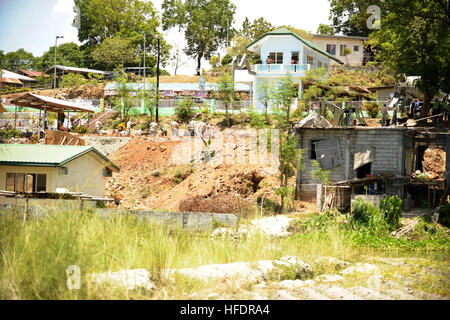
<point>228,30</point>
<point>157,79</point>
<point>54,75</point>
<point>145,51</point>
<point>64,61</point>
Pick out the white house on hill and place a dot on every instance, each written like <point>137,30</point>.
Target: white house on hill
<point>282,52</point>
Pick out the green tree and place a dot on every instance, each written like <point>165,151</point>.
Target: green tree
<point>114,52</point>
<point>290,158</point>
<point>226,93</point>
<point>300,32</point>
<point>286,93</point>
<point>350,17</point>
<point>214,62</point>
<point>68,53</point>
<point>206,24</point>
<point>256,29</point>
<point>415,41</point>
<point>122,99</point>
<point>325,29</point>
<point>16,60</point>
<point>264,93</point>
<point>2,58</point>
<point>185,110</point>
<point>128,19</point>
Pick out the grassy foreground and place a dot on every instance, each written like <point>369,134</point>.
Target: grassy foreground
<point>34,255</point>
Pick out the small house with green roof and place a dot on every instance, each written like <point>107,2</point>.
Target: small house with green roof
<point>282,53</point>
<point>35,168</point>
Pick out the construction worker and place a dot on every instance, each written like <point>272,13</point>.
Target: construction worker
<point>129,127</point>
<point>175,126</point>
<point>201,128</point>
<point>191,128</point>
<point>152,129</point>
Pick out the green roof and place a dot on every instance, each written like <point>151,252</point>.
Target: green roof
<point>42,155</point>
<point>285,31</point>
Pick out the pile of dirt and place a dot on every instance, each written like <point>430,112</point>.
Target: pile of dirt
<point>434,161</point>
<point>142,152</point>
<point>148,180</point>
<point>86,92</point>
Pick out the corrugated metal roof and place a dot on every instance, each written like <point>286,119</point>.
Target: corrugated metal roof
<point>337,36</point>
<point>179,86</point>
<point>74,69</point>
<point>45,155</point>
<point>13,75</point>
<point>31,73</point>
<point>31,100</point>
<point>11,80</point>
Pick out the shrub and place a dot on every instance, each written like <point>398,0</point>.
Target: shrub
<point>256,120</point>
<point>372,109</point>
<point>444,215</point>
<point>9,133</point>
<point>184,111</point>
<point>81,129</point>
<point>391,207</point>
<point>363,211</point>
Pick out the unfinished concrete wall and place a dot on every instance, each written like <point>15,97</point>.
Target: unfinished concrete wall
<point>386,142</point>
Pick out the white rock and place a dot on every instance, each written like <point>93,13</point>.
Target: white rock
<point>129,279</point>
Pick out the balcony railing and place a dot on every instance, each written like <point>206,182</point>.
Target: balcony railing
<point>281,68</point>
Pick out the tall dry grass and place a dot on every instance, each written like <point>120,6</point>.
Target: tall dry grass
<point>34,255</point>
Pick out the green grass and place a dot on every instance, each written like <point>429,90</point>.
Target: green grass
<point>35,254</point>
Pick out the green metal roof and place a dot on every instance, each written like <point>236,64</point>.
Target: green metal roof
<point>42,155</point>
<point>285,31</point>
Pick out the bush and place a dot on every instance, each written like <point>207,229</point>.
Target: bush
<point>81,129</point>
<point>256,120</point>
<point>363,211</point>
<point>8,89</point>
<point>391,207</point>
<point>444,215</point>
<point>9,133</point>
<point>372,109</point>
<point>185,110</point>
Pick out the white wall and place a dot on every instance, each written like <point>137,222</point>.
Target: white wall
<point>354,58</point>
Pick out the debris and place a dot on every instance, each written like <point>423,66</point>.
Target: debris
<point>405,229</point>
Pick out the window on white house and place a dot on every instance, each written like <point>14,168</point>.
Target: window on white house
<point>295,57</point>
<point>107,173</point>
<point>275,58</point>
<point>331,49</point>
<point>309,60</point>
<point>26,182</point>
<point>63,171</point>
<point>342,47</point>
<point>319,64</point>
<point>356,48</point>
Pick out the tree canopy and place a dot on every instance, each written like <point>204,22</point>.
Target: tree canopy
<point>350,16</point>
<point>206,24</point>
<point>68,54</point>
<point>114,52</point>
<point>16,60</point>
<point>325,29</point>
<point>414,40</point>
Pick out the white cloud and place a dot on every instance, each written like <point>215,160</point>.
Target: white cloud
<point>64,7</point>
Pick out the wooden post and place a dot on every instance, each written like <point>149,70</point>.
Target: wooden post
<point>447,168</point>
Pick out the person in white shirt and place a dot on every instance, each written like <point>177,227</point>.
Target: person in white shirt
<point>175,128</point>
<point>201,128</point>
<point>129,127</point>
<point>152,128</point>
<point>191,128</point>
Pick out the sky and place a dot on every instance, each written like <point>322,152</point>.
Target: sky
<point>34,24</point>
